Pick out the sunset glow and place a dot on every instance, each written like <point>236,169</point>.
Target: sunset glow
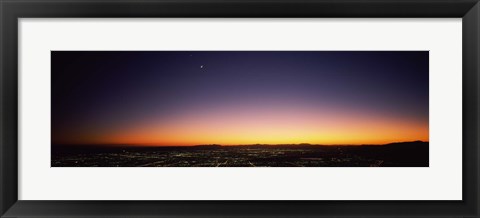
<point>252,125</point>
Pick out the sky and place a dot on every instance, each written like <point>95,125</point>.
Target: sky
<point>182,98</point>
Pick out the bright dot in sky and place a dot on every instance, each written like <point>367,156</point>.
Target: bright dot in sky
<point>201,66</point>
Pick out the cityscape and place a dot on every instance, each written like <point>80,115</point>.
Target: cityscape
<point>408,154</point>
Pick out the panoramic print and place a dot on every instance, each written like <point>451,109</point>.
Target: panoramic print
<point>240,109</point>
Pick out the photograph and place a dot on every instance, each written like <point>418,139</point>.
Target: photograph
<point>240,108</point>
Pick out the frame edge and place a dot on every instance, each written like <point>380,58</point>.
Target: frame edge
<point>9,103</point>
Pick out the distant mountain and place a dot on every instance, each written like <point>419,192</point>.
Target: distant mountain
<point>414,153</point>
<point>208,146</point>
<point>408,143</point>
<point>303,145</point>
<point>300,145</point>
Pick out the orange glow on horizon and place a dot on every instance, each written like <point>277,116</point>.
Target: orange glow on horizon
<point>260,124</point>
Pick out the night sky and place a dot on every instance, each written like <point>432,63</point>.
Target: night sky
<point>239,97</point>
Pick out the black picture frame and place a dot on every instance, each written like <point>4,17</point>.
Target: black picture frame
<point>12,10</point>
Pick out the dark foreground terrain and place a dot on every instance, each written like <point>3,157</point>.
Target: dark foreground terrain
<point>406,154</point>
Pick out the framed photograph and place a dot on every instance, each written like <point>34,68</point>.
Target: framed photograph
<point>203,108</point>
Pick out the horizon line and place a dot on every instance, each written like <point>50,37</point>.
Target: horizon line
<point>228,145</point>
